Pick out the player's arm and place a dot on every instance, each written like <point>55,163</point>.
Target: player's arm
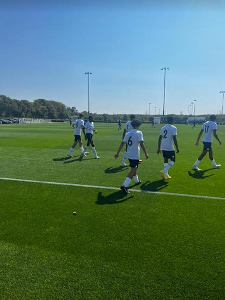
<point>73,125</point>
<point>144,149</point>
<point>199,136</point>
<point>159,144</point>
<point>175,143</point>
<point>124,133</point>
<point>120,148</point>
<point>83,129</point>
<point>216,136</point>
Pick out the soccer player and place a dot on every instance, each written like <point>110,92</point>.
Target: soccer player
<point>89,126</point>
<point>119,125</point>
<point>166,142</point>
<point>78,125</point>
<point>128,127</point>
<point>209,128</point>
<point>132,139</point>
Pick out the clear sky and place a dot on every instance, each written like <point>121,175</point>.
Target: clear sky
<point>47,46</point>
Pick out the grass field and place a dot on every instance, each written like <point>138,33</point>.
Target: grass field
<point>139,246</point>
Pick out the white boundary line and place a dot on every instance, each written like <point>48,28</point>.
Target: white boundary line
<point>111,188</point>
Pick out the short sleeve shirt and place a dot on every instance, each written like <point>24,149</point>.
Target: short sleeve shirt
<point>208,128</point>
<point>78,125</point>
<point>167,132</point>
<point>133,139</point>
<point>128,126</point>
<point>89,126</point>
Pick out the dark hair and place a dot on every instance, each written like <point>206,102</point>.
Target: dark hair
<point>90,118</point>
<point>135,123</point>
<point>81,116</point>
<point>132,117</point>
<point>212,118</point>
<point>170,120</point>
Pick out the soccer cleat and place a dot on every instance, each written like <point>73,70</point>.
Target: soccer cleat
<point>124,165</point>
<point>124,189</point>
<point>137,183</point>
<point>168,177</point>
<point>69,155</point>
<point>196,168</point>
<point>97,157</point>
<point>216,166</point>
<point>85,153</point>
<point>163,174</point>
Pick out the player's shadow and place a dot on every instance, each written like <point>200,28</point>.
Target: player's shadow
<point>155,186</point>
<point>80,158</point>
<point>114,198</point>
<point>115,170</point>
<point>61,158</point>
<point>200,174</point>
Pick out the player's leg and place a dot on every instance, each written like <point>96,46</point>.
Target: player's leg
<point>167,165</point>
<point>132,174</point>
<point>215,166</point>
<point>94,150</point>
<point>124,158</point>
<point>201,156</point>
<point>72,148</point>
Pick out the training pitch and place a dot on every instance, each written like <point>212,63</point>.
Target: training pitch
<point>164,240</point>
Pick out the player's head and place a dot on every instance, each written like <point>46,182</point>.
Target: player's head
<point>170,120</point>
<point>132,117</point>
<point>90,119</point>
<point>135,124</point>
<point>81,116</point>
<point>212,118</point>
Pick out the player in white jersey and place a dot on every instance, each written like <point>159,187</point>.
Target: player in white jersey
<point>132,139</point>
<point>128,127</point>
<point>78,125</point>
<point>166,142</point>
<point>209,128</point>
<point>89,126</point>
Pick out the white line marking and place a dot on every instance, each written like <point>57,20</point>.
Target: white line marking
<point>111,188</point>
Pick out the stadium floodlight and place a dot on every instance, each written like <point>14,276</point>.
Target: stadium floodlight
<point>88,73</point>
<point>155,110</point>
<point>149,108</point>
<point>164,97</point>
<point>194,109</point>
<point>222,100</point>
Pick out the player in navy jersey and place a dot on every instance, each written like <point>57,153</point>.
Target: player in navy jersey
<point>132,139</point>
<point>209,128</point>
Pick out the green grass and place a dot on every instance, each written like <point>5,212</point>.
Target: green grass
<point>140,246</point>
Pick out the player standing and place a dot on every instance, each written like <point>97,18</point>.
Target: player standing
<point>209,128</point>
<point>78,125</point>
<point>119,125</point>
<point>128,127</point>
<point>89,126</point>
<point>166,142</point>
<point>132,139</point>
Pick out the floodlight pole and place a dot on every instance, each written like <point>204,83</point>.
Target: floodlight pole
<point>164,96</point>
<point>149,108</point>
<point>222,100</point>
<point>88,73</point>
<point>194,109</point>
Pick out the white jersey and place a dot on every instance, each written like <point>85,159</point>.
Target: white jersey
<point>78,125</point>
<point>167,132</point>
<point>89,126</point>
<point>133,139</point>
<point>208,128</point>
<point>128,127</point>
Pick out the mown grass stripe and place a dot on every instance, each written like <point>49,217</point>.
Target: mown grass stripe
<point>111,188</point>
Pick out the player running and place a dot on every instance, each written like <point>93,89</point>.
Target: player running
<point>132,139</point>
<point>128,127</point>
<point>89,126</point>
<point>209,128</point>
<point>78,125</point>
<point>166,142</point>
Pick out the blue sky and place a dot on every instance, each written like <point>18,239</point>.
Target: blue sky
<point>46,48</point>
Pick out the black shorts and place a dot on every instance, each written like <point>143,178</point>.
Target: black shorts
<point>89,137</point>
<point>169,154</point>
<point>77,138</point>
<point>134,163</point>
<point>207,146</point>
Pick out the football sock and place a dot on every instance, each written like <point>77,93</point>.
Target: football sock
<point>197,163</point>
<point>136,178</point>
<point>170,164</point>
<point>213,162</point>
<point>71,150</point>
<point>165,165</point>
<point>85,148</point>
<point>95,153</point>
<point>126,182</point>
<point>81,149</point>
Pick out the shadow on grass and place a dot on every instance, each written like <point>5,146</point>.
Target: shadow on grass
<point>115,170</point>
<point>154,186</point>
<point>61,158</point>
<point>114,198</point>
<point>200,174</point>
